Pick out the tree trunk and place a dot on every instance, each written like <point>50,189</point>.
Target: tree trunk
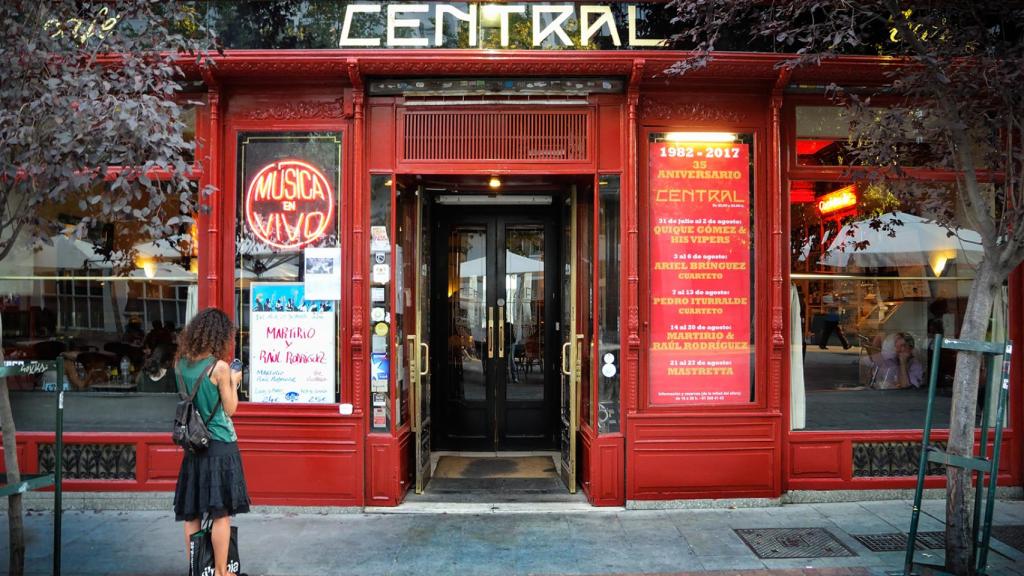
<point>959,545</point>
<point>15,522</point>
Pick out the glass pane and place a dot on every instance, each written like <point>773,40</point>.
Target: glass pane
<point>381,299</point>
<point>406,293</point>
<point>467,313</point>
<point>873,283</point>
<point>289,199</point>
<point>702,300</point>
<point>823,136</point>
<point>608,359</point>
<point>80,299</point>
<point>524,312</point>
<point>585,298</point>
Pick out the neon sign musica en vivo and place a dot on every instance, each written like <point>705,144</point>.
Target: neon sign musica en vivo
<point>289,204</point>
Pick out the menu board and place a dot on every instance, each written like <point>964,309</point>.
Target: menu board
<point>700,337</point>
<point>291,345</point>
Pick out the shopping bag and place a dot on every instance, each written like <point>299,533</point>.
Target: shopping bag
<point>200,552</point>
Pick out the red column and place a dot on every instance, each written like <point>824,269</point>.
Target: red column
<point>211,258</point>
<point>358,254</point>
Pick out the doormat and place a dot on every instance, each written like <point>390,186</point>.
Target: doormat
<point>897,541</point>
<point>793,543</point>
<point>491,467</point>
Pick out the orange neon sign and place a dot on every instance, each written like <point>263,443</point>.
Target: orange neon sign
<point>289,204</point>
<point>842,198</point>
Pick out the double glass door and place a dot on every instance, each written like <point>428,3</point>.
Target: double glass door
<point>495,289</point>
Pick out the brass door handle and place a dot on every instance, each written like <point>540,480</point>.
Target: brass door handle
<point>490,331</point>
<point>425,361</point>
<point>566,371</point>
<point>501,331</point>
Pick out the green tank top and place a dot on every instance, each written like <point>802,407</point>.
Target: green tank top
<point>220,426</point>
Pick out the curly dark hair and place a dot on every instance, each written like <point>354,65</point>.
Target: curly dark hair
<point>210,332</point>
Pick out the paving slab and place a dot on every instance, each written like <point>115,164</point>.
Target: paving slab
<point>523,542</point>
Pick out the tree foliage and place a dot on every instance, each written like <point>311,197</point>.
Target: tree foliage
<point>91,86</point>
<point>948,99</point>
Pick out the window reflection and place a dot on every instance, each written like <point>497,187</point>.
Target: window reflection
<point>109,302</point>
<point>872,283</point>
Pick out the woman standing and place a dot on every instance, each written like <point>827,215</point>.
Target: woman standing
<point>211,482</point>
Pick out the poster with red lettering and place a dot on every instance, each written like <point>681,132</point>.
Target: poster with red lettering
<point>291,345</point>
<point>701,341</point>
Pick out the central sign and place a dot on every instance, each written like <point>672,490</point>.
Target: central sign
<point>289,204</point>
<point>423,25</point>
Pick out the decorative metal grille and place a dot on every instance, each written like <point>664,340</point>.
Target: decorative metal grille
<point>793,543</point>
<point>896,541</point>
<point>1010,535</point>
<point>890,459</point>
<point>91,461</point>
<point>478,135</point>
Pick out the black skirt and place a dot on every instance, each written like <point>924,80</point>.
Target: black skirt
<point>211,483</point>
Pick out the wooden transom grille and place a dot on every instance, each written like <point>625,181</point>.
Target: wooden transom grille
<point>481,135</point>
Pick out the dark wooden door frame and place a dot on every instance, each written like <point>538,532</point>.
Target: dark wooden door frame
<point>496,218</point>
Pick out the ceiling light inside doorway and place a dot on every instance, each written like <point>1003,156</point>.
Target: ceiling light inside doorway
<point>700,137</point>
<point>494,182</point>
<point>504,199</point>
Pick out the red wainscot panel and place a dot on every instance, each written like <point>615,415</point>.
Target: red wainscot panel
<point>824,460</point>
<point>389,474</point>
<point>22,464</point>
<point>301,456</point>
<point>602,463</point>
<point>676,457</point>
<point>584,466</point>
<point>816,459</point>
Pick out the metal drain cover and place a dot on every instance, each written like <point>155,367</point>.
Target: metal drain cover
<point>898,541</point>
<point>1010,535</point>
<point>793,543</point>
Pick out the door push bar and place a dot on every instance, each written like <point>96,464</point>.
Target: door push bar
<point>425,362</point>
<point>566,371</point>
<point>501,331</point>
<point>490,331</point>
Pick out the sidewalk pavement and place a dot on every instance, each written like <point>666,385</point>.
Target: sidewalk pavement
<point>543,540</point>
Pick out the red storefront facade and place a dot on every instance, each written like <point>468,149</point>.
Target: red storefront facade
<point>313,454</point>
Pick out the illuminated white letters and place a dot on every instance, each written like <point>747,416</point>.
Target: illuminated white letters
<point>470,17</point>
<point>346,27</point>
<point>501,12</point>
<point>394,22</point>
<point>549,24</point>
<point>556,27</point>
<point>588,28</point>
<point>633,40</point>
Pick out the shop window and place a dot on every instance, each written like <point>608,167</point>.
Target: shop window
<point>110,303</point>
<point>288,265</point>
<point>608,344</point>
<point>382,353</point>
<point>823,136</point>
<point>873,282</point>
<point>701,244</point>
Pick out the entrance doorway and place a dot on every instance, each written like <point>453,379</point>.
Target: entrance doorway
<point>492,334</point>
<point>496,307</point>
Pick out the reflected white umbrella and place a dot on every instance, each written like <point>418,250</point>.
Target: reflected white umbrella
<point>174,246</point>
<point>163,271</point>
<point>915,242</point>
<point>63,252</point>
<point>514,264</point>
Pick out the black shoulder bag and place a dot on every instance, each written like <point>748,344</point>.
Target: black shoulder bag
<point>190,430</point>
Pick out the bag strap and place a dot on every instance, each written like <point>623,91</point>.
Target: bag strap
<point>195,386</point>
